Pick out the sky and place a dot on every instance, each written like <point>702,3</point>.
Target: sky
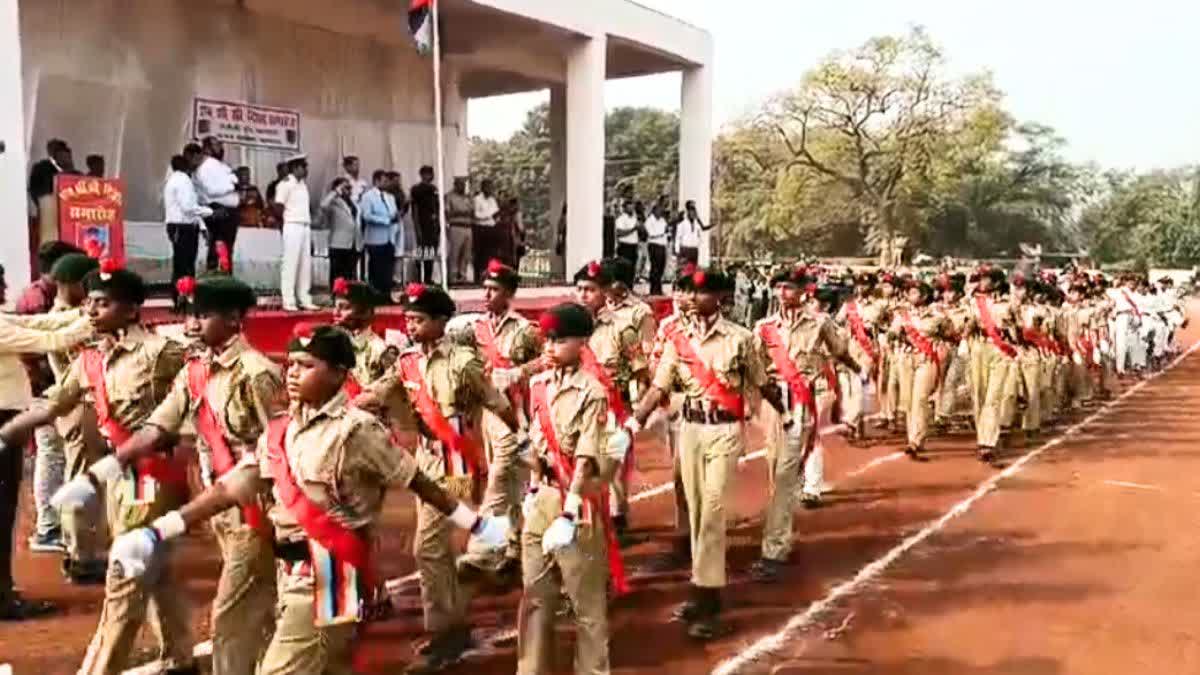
<point>1119,80</point>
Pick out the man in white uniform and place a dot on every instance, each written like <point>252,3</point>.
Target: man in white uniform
<point>293,205</point>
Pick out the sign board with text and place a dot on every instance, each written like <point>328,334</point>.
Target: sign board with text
<point>246,124</point>
<point>91,214</point>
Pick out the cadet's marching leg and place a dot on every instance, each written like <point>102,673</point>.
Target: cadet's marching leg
<point>784,466</point>
<point>924,382</point>
<point>244,607</point>
<point>300,646</point>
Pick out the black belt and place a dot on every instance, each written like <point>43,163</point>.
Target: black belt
<point>292,551</point>
<point>714,416</point>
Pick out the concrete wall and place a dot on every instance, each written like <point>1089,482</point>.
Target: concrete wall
<point>14,255</point>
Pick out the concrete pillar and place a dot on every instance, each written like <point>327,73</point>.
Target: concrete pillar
<point>695,147</point>
<point>558,168</point>
<point>14,255</point>
<point>586,71</point>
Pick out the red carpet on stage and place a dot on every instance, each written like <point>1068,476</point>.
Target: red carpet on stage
<point>270,328</point>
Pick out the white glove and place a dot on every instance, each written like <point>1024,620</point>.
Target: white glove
<point>963,348</point>
<point>559,535</point>
<point>133,551</point>
<point>1077,359</point>
<point>1096,355</point>
<point>79,491</point>
<point>619,443</point>
<point>1104,346</point>
<point>492,532</point>
<point>503,378</point>
<point>632,425</point>
<point>529,503</point>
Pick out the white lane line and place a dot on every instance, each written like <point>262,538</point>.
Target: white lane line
<point>769,644</point>
<point>1136,486</point>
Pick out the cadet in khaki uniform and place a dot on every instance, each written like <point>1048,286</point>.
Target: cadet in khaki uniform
<point>864,318</point>
<point>794,344</point>
<point>920,327</point>
<point>722,354</point>
<point>633,313</point>
<point>888,386</point>
<point>565,547</point>
<point>1025,383</point>
<point>448,391</point>
<point>326,467</point>
<point>1077,318</point>
<point>511,348</point>
<point>994,360</point>
<point>228,393</point>
<point>954,373</point>
<point>354,306</point>
<point>126,375</point>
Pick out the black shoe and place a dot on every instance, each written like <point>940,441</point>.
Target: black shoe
<point>987,456</point>
<point>441,653</point>
<point>692,608</point>
<point>811,501</point>
<point>916,454</point>
<point>16,608</point>
<point>766,571</point>
<point>85,572</point>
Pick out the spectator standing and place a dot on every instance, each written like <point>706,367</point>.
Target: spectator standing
<point>41,191</point>
<point>656,247</point>
<point>380,218</point>
<point>401,237</point>
<point>505,232</point>
<point>294,207</point>
<point>358,186</point>
<point>339,214</point>
<point>627,233</point>
<point>460,213</point>
<point>270,219</point>
<point>428,225</point>
<point>250,201</point>
<point>95,166</point>
<point>518,220</point>
<point>184,218</point>
<point>687,235</point>
<point>485,242</point>
<point>217,188</point>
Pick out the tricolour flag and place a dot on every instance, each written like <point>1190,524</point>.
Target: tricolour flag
<point>420,23</point>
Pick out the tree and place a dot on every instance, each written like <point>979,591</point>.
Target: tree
<point>1145,219</point>
<point>874,119</point>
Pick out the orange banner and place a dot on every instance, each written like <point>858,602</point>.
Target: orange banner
<point>92,210</point>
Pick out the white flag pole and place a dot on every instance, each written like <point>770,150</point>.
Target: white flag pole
<point>440,175</point>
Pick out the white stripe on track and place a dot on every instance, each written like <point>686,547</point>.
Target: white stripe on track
<point>770,644</point>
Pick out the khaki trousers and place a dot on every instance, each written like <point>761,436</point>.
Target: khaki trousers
<point>852,397</point>
<point>1028,378</point>
<point>127,605</point>
<point>921,386</point>
<point>461,252</point>
<point>581,571</point>
<point>85,528</point>
<point>298,646</point>
<point>889,384</point>
<point>905,364</point>
<point>243,612</point>
<point>977,372</point>
<point>708,461</point>
<point>785,467</point>
<point>1079,384</point>
<point>949,398</point>
<point>441,597</point>
<point>996,379</point>
<point>683,526</point>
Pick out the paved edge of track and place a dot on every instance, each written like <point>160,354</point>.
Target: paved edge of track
<point>769,644</point>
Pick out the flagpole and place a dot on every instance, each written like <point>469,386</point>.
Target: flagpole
<point>440,176</point>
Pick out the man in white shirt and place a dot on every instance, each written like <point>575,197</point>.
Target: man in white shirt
<point>294,207</point>
<point>627,233</point>
<point>184,217</point>
<point>688,231</point>
<point>656,247</point>
<point>485,241</point>
<point>216,186</point>
<point>351,168</point>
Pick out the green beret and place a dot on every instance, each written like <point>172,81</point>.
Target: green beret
<point>502,274</point>
<point>595,273</point>
<point>222,293</point>
<point>116,282</point>
<point>620,270</point>
<point>431,300</point>
<point>358,293</point>
<point>72,268</point>
<point>328,343</point>
<point>568,320</point>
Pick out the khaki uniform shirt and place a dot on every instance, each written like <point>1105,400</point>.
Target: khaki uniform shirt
<point>517,338</point>
<point>872,313</point>
<point>810,340</point>
<point>726,348</point>
<point>928,321</point>
<point>373,356</point>
<point>618,347</point>
<point>33,334</point>
<point>639,316</point>
<point>342,459</point>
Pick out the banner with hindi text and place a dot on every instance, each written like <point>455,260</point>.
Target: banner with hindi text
<point>246,124</point>
<point>91,214</point>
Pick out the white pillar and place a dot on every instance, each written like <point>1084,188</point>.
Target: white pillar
<point>695,147</point>
<point>14,255</point>
<point>586,71</point>
<point>558,165</point>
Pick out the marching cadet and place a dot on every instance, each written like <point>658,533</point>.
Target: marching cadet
<point>795,345</point>
<point>326,467</point>
<point>715,364</point>
<point>1077,319</point>
<point>1027,330</point>
<point>568,545</point>
<point>921,328</point>
<point>228,393</point>
<point>448,391</point>
<point>888,386</point>
<point>862,315</point>
<point>614,356</point>
<point>511,348</point>
<point>954,307</point>
<point>354,304</point>
<point>126,374</point>
<point>992,362</point>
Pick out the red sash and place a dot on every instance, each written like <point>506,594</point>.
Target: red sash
<point>455,445</point>
<point>210,430</point>
<point>351,387</point>
<point>720,393</point>
<point>1133,305</point>
<point>591,365</point>
<point>486,337</point>
<point>564,471</point>
<point>156,466</point>
<point>787,369</point>
<point>922,343</point>
<point>989,327</point>
<point>859,330</point>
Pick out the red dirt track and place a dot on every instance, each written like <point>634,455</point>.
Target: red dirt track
<point>1079,562</point>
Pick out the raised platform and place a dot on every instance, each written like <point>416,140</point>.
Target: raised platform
<point>269,327</point>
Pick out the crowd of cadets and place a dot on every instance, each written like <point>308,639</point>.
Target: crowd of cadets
<point>532,421</point>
